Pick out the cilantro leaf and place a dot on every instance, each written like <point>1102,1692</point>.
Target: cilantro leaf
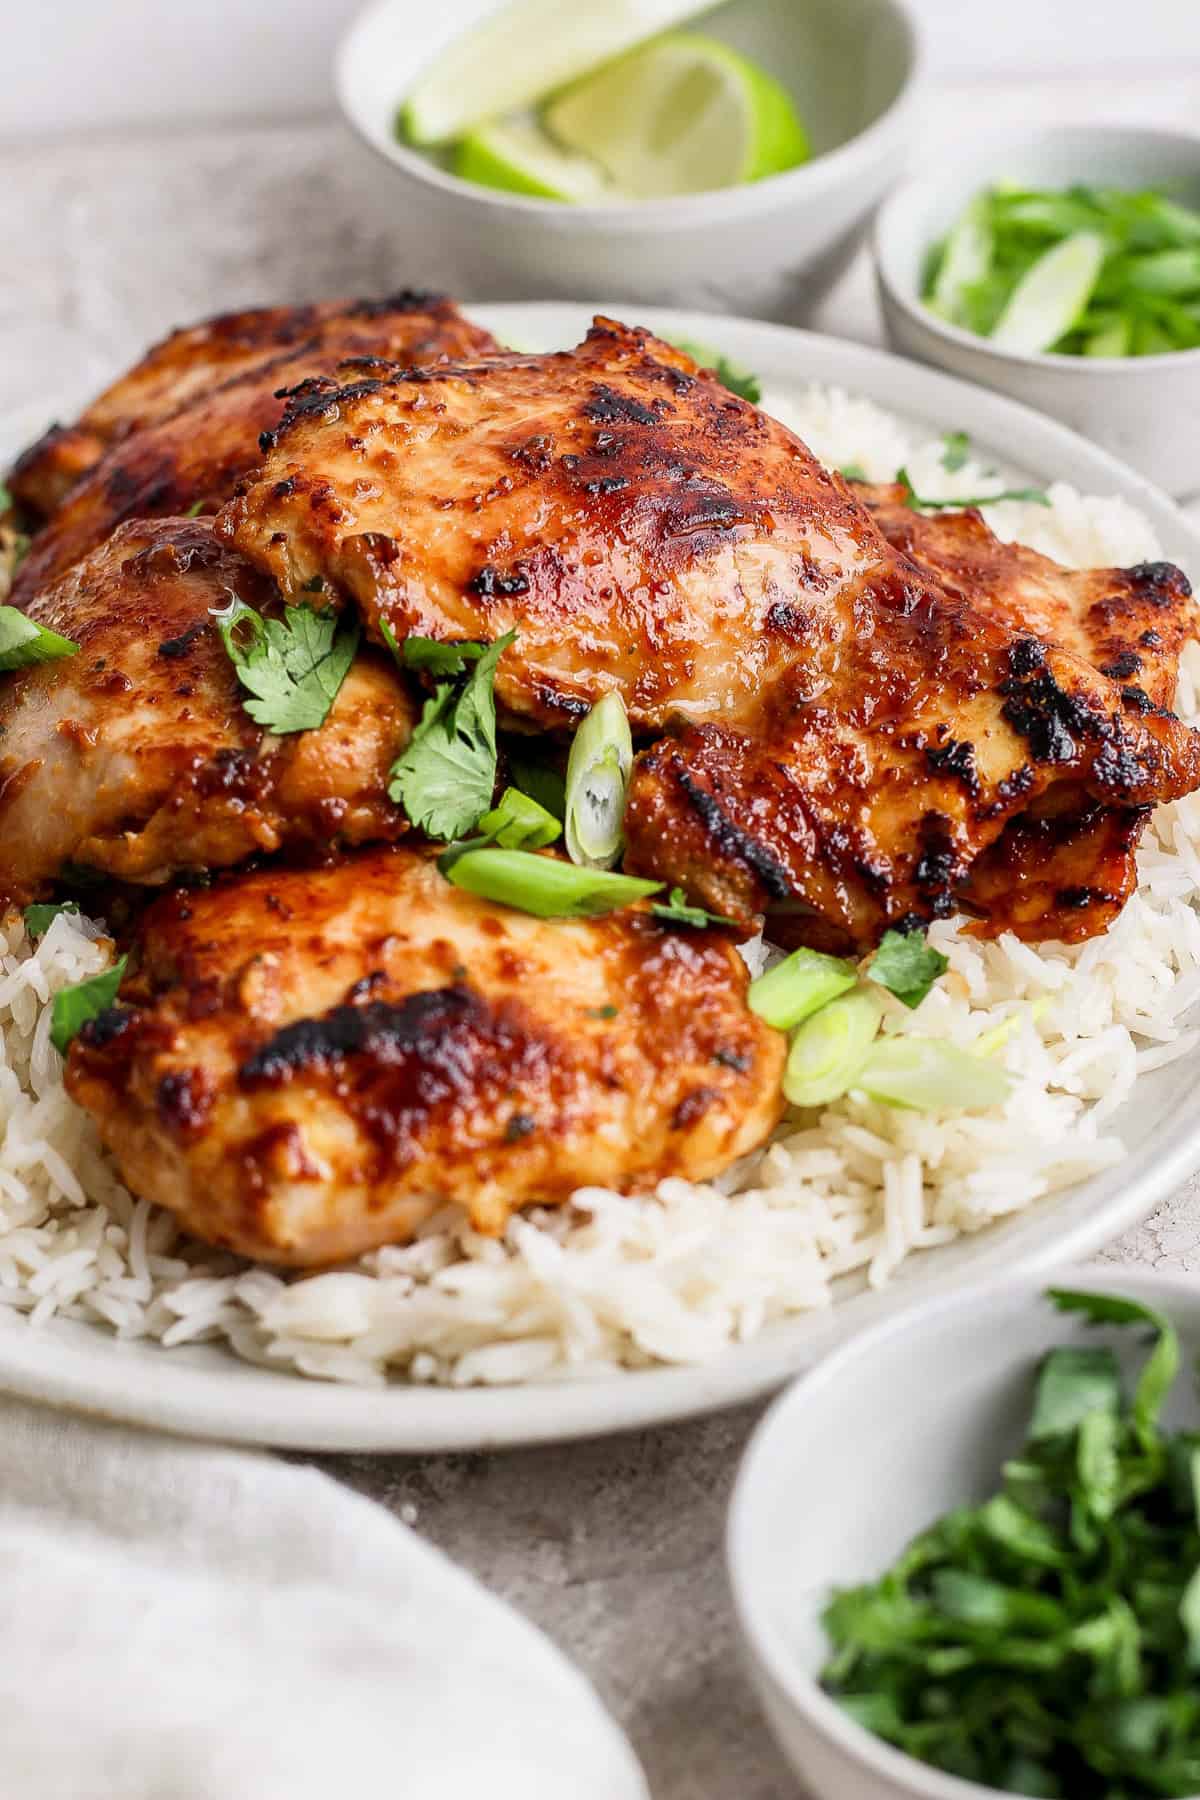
<point>853,471</point>
<point>430,656</point>
<point>918,503</point>
<point>39,918</point>
<point>676,911</point>
<point>23,642</point>
<point>293,667</point>
<point>74,1006</point>
<point>6,499</point>
<point>906,965</point>
<point>445,777</point>
<point>739,381</point>
<point>956,448</point>
<point>1163,1363</point>
<point>1072,1383</point>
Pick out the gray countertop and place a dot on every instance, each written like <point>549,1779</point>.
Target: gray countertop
<point>614,1547</point>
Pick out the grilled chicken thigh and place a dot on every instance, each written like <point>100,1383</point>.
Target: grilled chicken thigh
<point>180,430</point>
<point>1058,871</point>
<point>848,737</point>
<point>137,757</point>
<point>306,1065</point>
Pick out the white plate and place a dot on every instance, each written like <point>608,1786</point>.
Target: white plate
<point>207,1391</point>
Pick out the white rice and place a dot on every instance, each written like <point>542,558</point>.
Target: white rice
<point>677,1275</point>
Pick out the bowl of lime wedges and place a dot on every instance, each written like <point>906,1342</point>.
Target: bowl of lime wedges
<point>723,157</point>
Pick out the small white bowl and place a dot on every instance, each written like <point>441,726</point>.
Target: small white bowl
<point>770,248</point>
<point>878,1442</point>
<point>1143,408</point>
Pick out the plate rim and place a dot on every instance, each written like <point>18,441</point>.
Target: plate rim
<point>74,1365</point>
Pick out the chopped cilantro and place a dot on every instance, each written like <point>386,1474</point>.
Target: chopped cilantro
<point>445,777</point>
<point>676,911</point>
<point>853,471</point>
<point>293,667</point>
<point>906,965</point>
<point>1046,1640</point>
<point>194,510</point>
<point>429,656</point>
<point>74,1006</point>
<point>39,918</point>
<point>956,448</point>
<point>918,503</point>
<point>739,381</point>
<point>22,642</point>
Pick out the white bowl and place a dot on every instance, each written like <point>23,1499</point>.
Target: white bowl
<point>876,1443</point>
<point>769,248</point>
<point>1143,408</point>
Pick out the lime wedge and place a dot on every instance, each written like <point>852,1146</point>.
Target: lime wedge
<point>683,115</point>
<point>524,51</point>
<point>1051,294</point>
<point>514,154</point>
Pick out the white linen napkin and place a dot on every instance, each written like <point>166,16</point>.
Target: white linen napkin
<point>181,1622</point>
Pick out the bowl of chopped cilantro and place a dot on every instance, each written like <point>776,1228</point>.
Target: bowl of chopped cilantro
<point>1061,267</point>
<point>965,1550</point>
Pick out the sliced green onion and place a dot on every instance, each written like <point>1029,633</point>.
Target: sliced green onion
<point>989,1042</point>
<point>1110,340</point>
<point>518,822</point>
<point>597,777</point>
<point>1050,295</point>
<point>966,258</point>
<point>545,885</point>
<point>541,781</point>
<point>932,1075</point>
<point>1085,271</point>
<point>23,642</point>
<point>830,1048</point>
<point>74,1006</point>
<point>799,986</point>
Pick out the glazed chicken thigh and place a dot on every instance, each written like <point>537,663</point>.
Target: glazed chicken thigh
<point>846,736</point>
<point>309,1064</point>
<point>1058,871</point>
<point>179,431</point>
<point>136,757</point>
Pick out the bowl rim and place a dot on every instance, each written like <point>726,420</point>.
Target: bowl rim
<point>928,180</point>
<point>762,1642</point>
<point>717,206</point>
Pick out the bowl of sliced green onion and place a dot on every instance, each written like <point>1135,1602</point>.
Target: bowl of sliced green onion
<point>965,1549</point>
<point>1063,268</point>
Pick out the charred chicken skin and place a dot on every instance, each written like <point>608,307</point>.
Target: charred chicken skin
<point>181,429</point>
<point>309,1064</point>
<point>136,757</point>
<point>1057,871</point>
<point>846,736</point>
